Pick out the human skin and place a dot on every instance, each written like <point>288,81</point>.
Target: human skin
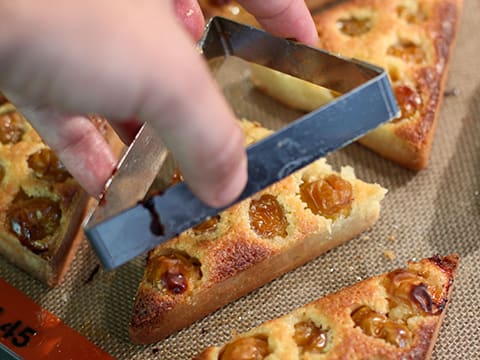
<point>127,60</point>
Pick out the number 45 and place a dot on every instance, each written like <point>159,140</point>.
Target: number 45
<point>18,339</point>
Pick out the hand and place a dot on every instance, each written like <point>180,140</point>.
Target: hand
<point>128,59</point>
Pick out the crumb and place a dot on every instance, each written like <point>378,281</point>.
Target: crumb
<point>389,254</point>
<point>392,238</point>
<point>451,92</point>
<point>366,238</point>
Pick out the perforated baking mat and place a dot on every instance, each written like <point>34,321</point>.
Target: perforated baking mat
<point>434,211</point>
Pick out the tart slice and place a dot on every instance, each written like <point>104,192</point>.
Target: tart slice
<point>396,315</point>
<point>411,39</point>
<point>253,242</point>
<point>41,205</point>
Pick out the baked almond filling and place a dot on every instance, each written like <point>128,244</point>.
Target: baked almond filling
<point>411,16</point>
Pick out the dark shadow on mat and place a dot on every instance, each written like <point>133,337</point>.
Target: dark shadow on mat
<point>456,225</point>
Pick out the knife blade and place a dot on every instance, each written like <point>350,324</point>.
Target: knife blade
<point>119,234</point>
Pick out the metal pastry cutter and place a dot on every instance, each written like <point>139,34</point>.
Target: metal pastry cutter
<point>125,225</point>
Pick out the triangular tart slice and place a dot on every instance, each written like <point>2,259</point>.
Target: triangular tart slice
<point>396,315</point>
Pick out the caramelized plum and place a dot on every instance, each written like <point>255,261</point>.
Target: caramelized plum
<point>354,26</point>
<point>251,348</point>
<point>46,165</point>
<point>410,16</point>
<point>370,321</point>
<point>207,226</point>
<point>408,100</point>
<point>177,177</point>
<point>410,289</point>
<point>32,219</point>
<point>267,218</point>
<point>12,127</point>
<point>400,285</point>
<point>407,51</point>
<point>422,298</point>
<point>380,326</point>
<point>310,337</point>
<point>174,273</point>
<point>396,334</point>
<point>329,197</point>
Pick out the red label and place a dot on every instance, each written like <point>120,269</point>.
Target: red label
<point>35,333</point>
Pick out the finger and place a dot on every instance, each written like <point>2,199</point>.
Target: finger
<point>199,128</point>
<point>190,14</point>
<point>285,18</point>
<point>196,123</point>
<point>131,61</point>
<point>77,143</point>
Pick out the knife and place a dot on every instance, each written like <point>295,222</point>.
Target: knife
<point>124,225</point>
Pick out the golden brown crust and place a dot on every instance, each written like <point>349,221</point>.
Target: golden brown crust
<point>348,335</point>
<point>50,263</point>
<point>234,259</point>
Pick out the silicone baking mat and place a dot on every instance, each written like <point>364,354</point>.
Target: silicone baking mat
<point>434,211</point>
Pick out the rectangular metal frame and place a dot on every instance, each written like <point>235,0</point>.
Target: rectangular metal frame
<point>126,226</point>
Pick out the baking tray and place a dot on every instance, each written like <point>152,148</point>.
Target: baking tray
<point>434,211</point>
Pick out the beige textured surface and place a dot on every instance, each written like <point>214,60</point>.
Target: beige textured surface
<point>434,211</point>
